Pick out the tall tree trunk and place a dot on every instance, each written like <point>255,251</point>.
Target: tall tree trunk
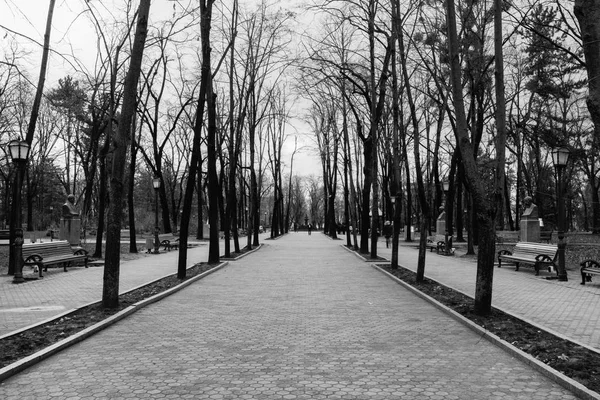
<point>110,292</point>
<point>588,15</point>
<point>425,207</point>
<point>102,196</point>
<point>211,149</point>
<point>195,168</point>
<point>200,189</point>
<point>484,209</point>
<point>130,190</point>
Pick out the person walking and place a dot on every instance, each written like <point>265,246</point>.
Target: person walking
<point>387,232</point>
<point>309,228</point>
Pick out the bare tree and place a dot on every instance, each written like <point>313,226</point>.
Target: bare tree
<point>120,142</point>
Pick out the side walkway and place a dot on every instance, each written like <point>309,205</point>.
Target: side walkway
<point>565,308</point>
<point>300,319</point>
<point>35,301</point>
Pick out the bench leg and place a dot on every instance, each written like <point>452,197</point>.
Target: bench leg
<point>516,266</point>
<point>537,269</point>
<point>585,278</point>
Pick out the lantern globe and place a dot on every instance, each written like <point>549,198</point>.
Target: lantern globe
<point>18,149</point>
<point>560,157</point>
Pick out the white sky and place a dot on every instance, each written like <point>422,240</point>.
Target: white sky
<point>72,37</point>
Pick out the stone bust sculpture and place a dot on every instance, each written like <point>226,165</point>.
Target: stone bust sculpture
<point>531,211</point>
<point>69,209</point>
<point>442,216</point>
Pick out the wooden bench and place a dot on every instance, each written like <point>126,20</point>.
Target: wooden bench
<point>546,236</point>
<point>536,254</point>
<point>50,253</point>
<point>168,241</point>
<point>589,268</point>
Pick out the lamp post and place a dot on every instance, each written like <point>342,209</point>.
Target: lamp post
<point>447,236</point>
<point>19,151</point>
<point>395,232</point>
<point>156,185</point>
<point>51,220</point>
<point>560,158</point>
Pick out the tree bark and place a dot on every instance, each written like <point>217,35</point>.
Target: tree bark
<point>587,13</point>
<point>484,209</point>
<point>110,290</point>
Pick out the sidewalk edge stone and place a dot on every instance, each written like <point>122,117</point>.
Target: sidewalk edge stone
<point>365,259</point>
<point>547,371</point>
<point>33,359</point>
<point>244,254</point>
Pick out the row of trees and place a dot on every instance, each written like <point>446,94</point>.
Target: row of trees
<point>474,92</point>
<point>399,96</point>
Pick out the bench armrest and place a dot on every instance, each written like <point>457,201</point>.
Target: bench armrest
<point>33,259</point>
<point>81,252</point>
<point>544,258</point>
<point>589,263</point>
<point>504,253</point>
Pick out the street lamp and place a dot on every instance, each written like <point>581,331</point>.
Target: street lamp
<point>560,158</point>
<point>19,151</point>
<point>156,185</point>
<point>447,235</point>
<point>51,220</point>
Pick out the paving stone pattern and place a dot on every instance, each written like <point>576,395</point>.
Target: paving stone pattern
<point>34,301</point>
<point>566,308</point>
<point>300,319</point>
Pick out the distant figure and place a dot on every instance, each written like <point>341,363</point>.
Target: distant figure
<point>387,232</point>
<point>69,209</point>
<point>309,228</point>
<point>531,211</point>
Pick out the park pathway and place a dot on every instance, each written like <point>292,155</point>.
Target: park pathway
<point>300,319</point>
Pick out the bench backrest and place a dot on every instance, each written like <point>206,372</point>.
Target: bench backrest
<point>535,249</point>
<point>48,249</point>
<point>169,236</point>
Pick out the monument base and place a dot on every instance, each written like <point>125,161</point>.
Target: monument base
<point>440,227</point>
<point>530,230</point>
<point>69,230</point>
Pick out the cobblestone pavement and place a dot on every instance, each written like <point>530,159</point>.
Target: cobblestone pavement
<point>300,319</point>
<point>568,309</point>
<point>34,301</point>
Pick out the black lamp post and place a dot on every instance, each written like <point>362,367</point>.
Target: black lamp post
<point>19,151</point>
<point>447,236</point>
<point>51,220</point>
<point>394,234</point>
<point>560,158</point>
<point>156,185</point>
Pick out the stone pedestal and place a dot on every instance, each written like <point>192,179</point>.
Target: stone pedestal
<point>530,230</point>
<point>440,227</point>
<point>70,230</point>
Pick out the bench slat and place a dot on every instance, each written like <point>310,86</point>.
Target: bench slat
<point>50,253</point>
<point>536,254</point>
